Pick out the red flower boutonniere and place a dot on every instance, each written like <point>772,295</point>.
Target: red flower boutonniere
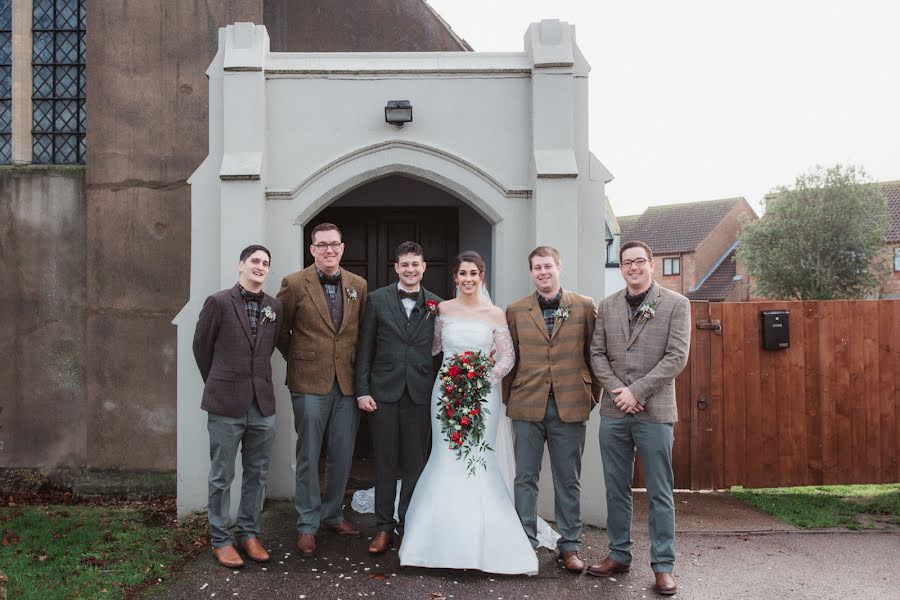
<point>431,309</point>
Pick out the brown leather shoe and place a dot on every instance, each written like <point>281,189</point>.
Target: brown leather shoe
<point>343,528</point>
<point>228,557</point>
<point>571,561</point>
<point>254,550</point>
<point>306,544</point>
<point>380,543</point>
<point>665,584</point>
<point>607,567</point>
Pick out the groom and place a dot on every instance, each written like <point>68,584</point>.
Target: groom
<point>549,394</point>
<point>394,375</point>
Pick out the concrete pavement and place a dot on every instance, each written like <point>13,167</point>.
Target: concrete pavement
<point>725,550</point>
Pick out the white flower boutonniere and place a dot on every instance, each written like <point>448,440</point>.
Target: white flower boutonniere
<point>268,314</point>
<point>351,293</point>
<point>562,313</point>
<point>646,311</point>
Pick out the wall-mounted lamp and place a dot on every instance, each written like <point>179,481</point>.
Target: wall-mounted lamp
<point>398,112</point>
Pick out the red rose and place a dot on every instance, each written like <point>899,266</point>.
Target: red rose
<point>473,412</point>
<point>453,371</point>
<point>471,375</point>
<point>455,437</point>
<point>465,361</point>
<point>467,352</point>
<point>449,412</point>
<point>464,422</point>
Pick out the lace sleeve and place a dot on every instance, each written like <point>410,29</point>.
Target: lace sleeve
<point>504,356</point>
<point>436,342</point>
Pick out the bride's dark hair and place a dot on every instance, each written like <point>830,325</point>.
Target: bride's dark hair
<point>469,256</point>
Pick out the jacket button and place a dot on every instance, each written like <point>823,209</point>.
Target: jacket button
<point>629,350</point>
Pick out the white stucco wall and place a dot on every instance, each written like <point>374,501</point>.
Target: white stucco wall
<point>505,134</point>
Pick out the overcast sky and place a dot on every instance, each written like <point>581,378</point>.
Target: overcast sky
<point>705,99</point>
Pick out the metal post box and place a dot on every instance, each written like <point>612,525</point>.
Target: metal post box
<point>775,330</point>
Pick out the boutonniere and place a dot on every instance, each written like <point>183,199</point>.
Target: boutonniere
<point>431,309</point>
<point>646,311</point>
<point>267,314</point>
<point>351,293</point>
<point>562,313</point>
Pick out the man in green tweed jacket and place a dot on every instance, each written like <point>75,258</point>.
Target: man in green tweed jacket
<point>640,345</point>
<point>549,396</point>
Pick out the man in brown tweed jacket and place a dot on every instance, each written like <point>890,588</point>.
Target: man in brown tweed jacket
<point>549,395</point>
<point>640,345</point>
<point>322,308</point>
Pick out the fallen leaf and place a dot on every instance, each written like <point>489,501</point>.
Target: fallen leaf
<point>10,539</point>
<point>42,556</point>
<point>376,576</point>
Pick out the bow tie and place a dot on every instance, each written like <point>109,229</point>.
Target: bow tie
<point>551,303</point>
<point>326,279</point>
<point>248,296</point>
<point>404,295</point>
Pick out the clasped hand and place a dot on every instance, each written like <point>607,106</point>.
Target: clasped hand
<point>626,402</point>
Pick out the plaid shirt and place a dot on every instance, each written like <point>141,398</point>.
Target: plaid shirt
<point>251,301</point>
<point>330,289</point>
<point>548,307</point>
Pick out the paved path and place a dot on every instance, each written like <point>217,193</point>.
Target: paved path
<point>774,561</point>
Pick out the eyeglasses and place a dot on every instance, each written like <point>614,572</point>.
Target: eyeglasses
<point>322,246</point>
<point>626,264</point>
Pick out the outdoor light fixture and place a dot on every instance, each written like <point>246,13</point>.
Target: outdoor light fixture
<point>398,112</point>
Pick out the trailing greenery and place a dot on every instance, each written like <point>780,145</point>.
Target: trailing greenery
<point>852,506</point>
<point>821,239</point>
<point>92,552</point>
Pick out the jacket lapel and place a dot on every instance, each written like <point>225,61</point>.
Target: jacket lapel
<point>535,310</point>
<point>317,295</point>
<point>653,298</point>
<point>241,311</point>
<point>418,313</point>
<point>260,324</point>
<point>622,314</point>
<point>564,301</point>
<point>342,294</point>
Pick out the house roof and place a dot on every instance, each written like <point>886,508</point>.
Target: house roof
<point>891,191</point>
<point>716,286</point>
<point>676,228</point>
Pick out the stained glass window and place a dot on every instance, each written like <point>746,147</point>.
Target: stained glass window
<point>5,82</point>
<point>58,55</point>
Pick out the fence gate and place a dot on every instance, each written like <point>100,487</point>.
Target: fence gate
<point>826,410</point>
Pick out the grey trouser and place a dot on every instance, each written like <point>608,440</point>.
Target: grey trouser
<point>402,433</point>
<point>618,439</point>
<point>565,442</point>
<point>313,415</point>
<point>254,434</point>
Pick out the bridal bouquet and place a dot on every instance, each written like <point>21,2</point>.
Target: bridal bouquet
<point>464,387</point>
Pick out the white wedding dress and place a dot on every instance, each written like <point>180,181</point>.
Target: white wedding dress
<point>458,521</point>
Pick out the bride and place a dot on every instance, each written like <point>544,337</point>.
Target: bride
<point>455,520</point>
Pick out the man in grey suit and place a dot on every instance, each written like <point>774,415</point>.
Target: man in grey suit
<point>640,345</point>
<point>394,376</point>
<point>233,345</point>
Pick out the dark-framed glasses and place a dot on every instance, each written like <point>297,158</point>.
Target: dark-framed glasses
<point>626,264</point>
<point>334,246</point>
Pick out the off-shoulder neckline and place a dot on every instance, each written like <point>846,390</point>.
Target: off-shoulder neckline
<point>486,322</point>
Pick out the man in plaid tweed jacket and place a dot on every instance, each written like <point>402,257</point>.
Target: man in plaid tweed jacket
<point>549,395</point>
<point>640,345</point>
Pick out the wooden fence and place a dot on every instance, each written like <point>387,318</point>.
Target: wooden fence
<point>826,410</point>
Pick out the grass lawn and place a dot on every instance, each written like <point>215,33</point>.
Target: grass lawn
<point>852,506</point>
<point>95,552</point>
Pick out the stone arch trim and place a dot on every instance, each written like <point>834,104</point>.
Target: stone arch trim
<point>432,165</point>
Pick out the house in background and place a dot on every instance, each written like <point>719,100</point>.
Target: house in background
<point>694,245</point>
<point>891,191</point>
